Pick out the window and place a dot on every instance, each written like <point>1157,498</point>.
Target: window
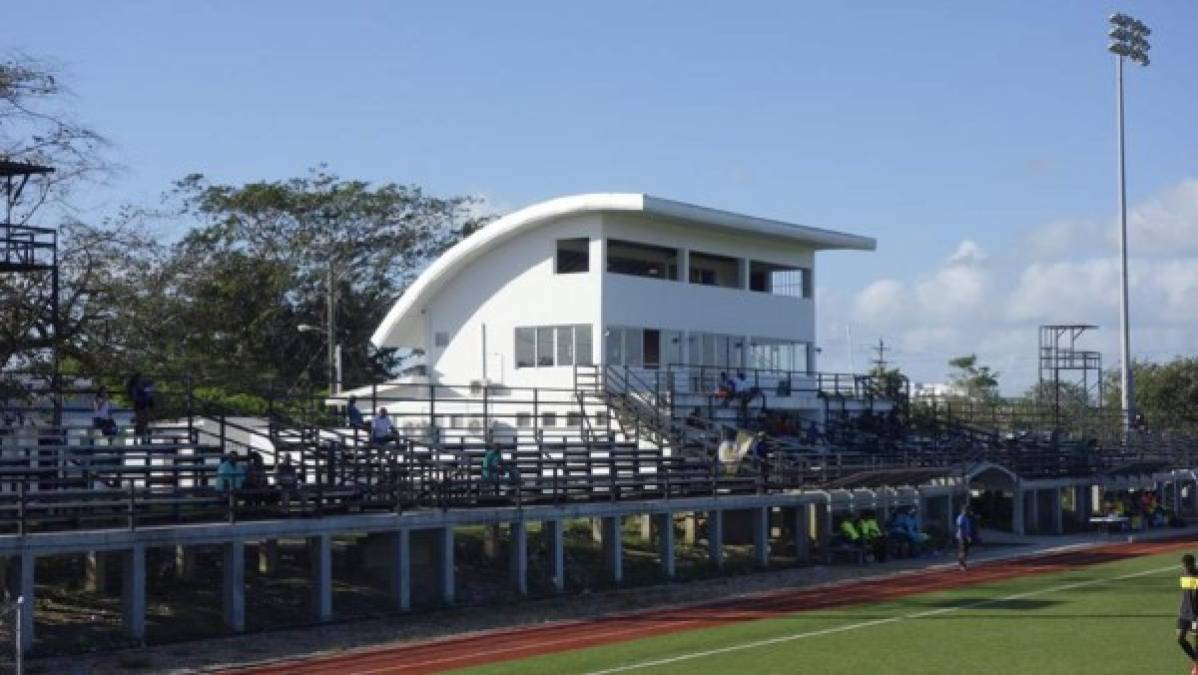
<point>634,343</point>
<point>615,347</point>
<point>641,260</point>
<point>525,347</point>
<point>441,339</point>
<point>545,346</point>
<point>573,256</point>
<point>651,350</point>
<point>573,419</point>
<point>787,355</point>
<point>714,270</point>
<point>548,419</point>
<point>565,345</point>
<point>600,420</point>
<point>582,345</point>
<point>523,420</point>
<point>794,282</point>
<point>712,349</point>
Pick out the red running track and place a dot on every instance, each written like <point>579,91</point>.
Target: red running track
<point>519,643</point>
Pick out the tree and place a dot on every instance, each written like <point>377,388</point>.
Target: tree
<point>257,264</point>
<point>977,382</point>
<point>35,129</point>
<point>890,381</point>
<point>1166,394</point>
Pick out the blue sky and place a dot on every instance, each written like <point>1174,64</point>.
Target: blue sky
<point>956,133</point>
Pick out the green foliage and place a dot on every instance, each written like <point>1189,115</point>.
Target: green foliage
<point>1166,394</point>
<point>976,382</point>
<point>890,381</point>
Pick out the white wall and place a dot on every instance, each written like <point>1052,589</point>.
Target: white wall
<point>514,285</point>
<point>677,305</point>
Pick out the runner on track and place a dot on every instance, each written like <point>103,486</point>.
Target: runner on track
<point>1187,619</point>
<point>965,536</point>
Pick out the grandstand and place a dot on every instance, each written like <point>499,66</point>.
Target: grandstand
<point>649,429</point>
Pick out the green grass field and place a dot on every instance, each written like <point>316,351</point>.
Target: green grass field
<point>1111,618</point>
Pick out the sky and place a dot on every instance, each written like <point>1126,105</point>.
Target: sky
<point>975,141</point>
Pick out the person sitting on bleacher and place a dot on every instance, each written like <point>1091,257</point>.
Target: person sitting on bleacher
<point>871,534</point>
<point>492,466</point>
<point>813,435</point>
<point>102,413</point>
<point>229,476</point>
<point>725,390</point>
<point>849,534</point>
<point>382,431</point>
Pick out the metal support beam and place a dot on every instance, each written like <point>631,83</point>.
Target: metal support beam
<point>1058,512</point>
<point>1018,512</point>
<point>801,530</point>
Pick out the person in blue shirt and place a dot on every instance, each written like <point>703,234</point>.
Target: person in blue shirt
<point>965,536</point>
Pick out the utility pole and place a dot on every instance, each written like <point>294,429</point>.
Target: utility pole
<point>880,350</point>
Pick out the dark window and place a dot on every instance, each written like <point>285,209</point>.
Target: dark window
<point>525,347</point>
<point>545,346</point>
<point>793,282</point>
<point>714,270</point>
<point>573,255</point>
<point>641,260</point>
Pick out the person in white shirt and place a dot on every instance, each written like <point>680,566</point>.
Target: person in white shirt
<point>102,413</point>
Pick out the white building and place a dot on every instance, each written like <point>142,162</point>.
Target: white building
<point>615,279</point>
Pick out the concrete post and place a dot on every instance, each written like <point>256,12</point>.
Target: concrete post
<point>646,523</point>
<point>801,530</point>
<point>133,591</point>
<point>1034,511</point>
<point>446,562</point>
<point>1081,504</point>
<point>761,536</point>
<point>613,548</point>
<point>715,537</point>
<point>22,584</point>
<point>320,557</point>
<point>1058,512</point>
<point>268,557</point>
<point>555,552</point>
<point>491,542</point>
<point>665,529</point>
<point>233,588</point>
<point>823,519</point>
<point>399,569</point>
<point>1176,495</point>
<point>185,563</point>
<point>518,557</point>
<point>1018,515</point>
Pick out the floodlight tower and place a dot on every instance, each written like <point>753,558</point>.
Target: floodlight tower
<point>1128,41</point>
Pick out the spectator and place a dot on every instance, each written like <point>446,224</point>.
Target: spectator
<point>382,431</point>
<point>965,536</point>
<point>872,535</point>
<point>255,475</point>
<point>135,389</point>
<point>492,467</point>
<point>229,475</point>
<point>102,413</point>
<point>849,533</point>
<point>353,415</point>
<point>725,390</point>
<point>813,436</point>
<point>286,479</point>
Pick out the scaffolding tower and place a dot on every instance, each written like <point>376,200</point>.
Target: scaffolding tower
<point>1062,364</point>
<point>29,265</point>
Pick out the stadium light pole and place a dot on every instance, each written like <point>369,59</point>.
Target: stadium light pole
<point>1128,41</point>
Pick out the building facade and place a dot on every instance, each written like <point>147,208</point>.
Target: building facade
<point>615,279</point>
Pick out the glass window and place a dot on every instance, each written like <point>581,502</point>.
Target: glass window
<point>565,345</point>
<point>642,260</point>
<point>794,282</point>
<point>523,420</point>
<point>714,270</point>
<point>615,347</point>
<point>671,347</point>
<point>545,346</point>
<point>573,256</point>
<point>548,419</point>
<point>573,419</point>
<point>582,345</point>
<point>633,341</point>
<point>651,348</point>
<point>525,341</point>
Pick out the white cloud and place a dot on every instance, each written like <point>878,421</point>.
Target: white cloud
<point>1064,272</point>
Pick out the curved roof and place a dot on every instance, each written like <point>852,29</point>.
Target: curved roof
<point>466,251</point>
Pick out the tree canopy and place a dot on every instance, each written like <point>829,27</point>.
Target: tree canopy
<point>975,381</point>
